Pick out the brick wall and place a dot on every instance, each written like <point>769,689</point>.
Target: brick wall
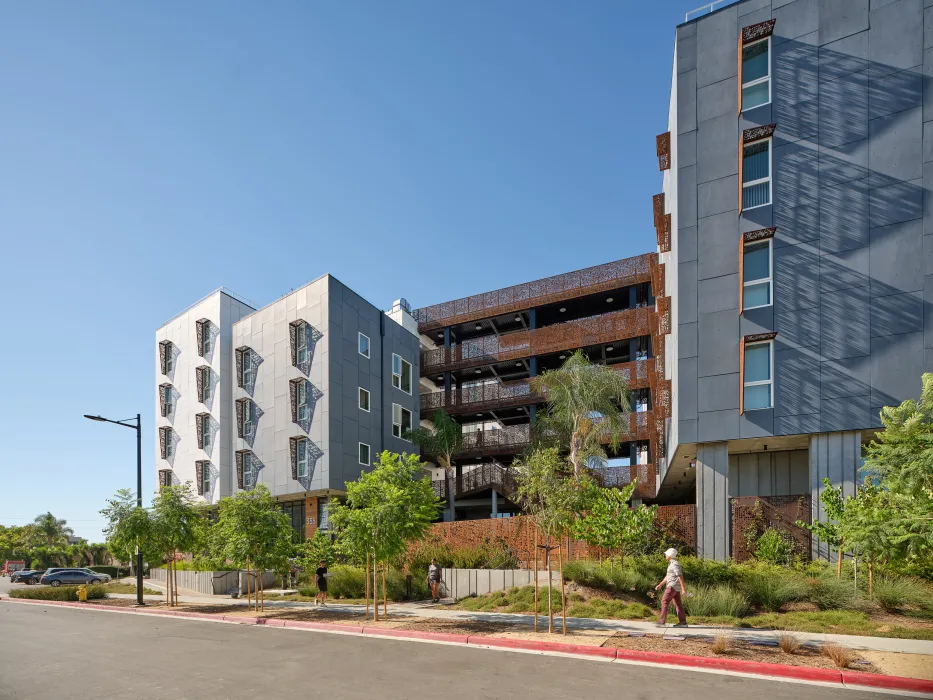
<point>778,512</point>
<point>518,533</point>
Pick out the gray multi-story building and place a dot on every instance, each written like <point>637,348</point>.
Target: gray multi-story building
<point>300,395</point>
<point>794,225</point>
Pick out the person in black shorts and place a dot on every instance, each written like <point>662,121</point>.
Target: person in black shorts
<point>321,580</point>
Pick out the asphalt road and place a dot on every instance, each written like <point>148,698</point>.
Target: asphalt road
<point>48,652</point>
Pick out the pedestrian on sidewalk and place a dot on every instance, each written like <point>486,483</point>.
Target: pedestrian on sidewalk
<point>675,588</point>
<point>321,580</point>
<point>434,580</point>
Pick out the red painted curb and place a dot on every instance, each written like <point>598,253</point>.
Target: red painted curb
<point>414,634</point>
<point>890,682</point>
<point>240,620</point>
<point>542,646</point>
<point>272,622</point>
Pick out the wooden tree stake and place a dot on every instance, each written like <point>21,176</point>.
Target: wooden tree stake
<point>536,578</point>
<point>563,597</point>
<point>366,585</point>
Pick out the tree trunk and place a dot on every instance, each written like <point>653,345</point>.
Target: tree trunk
<point>175,577</point>
<point>536,578</point>
<point>385,597</point>
<point>550,587</point>
<point>563,596</point>
<point>249,599</point>
<point>839,561</point>
<point>450,495</point>
<point>871,578</point>
<point>375,590</point>
<point>366,585</point>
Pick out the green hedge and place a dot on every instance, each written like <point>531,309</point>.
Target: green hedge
<point>113,571</point>
<point>57,593</point>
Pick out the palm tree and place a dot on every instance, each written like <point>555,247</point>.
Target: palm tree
<point>442,441</point>
<point>587,407</point>
<point>53,530</point>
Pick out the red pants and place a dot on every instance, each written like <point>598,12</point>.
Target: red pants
<point>669,595</point>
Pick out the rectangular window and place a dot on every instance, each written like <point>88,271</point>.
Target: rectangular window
<point>364,400</point>
<point>364,454</point>
<point>302,339</point>
<point>756,277</point>
<point>206,478</point>
<point>206,341</point>
<point>302,448</point>
<point>169,445</point>
<point>302,401</point>
<point>401,374</point>
<point>758,376</point>
<point>756,174</point>
<point>206,432</point>
<point>401,421</point>
<point>169,360</point>
<point>247,371</point>
<point>756,74</point>
<point>249,476</point>
<point>363,344</point>
<point>323,514</point>
<point>247,420</point>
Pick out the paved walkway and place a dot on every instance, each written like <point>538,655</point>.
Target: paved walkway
<point>428,609</point>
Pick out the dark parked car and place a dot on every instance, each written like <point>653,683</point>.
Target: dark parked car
<point>73,577</point>
<point>28,576</point>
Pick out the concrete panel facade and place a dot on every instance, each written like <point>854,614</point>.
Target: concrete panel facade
<point>712,489</point>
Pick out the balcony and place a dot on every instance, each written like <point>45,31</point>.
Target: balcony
<point>620,477</point>
<point>479,478</point>
<point>570,285</point>
<point>490,349</point>
<point>501,395</point>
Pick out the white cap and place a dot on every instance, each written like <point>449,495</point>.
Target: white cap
<point>671,553</point>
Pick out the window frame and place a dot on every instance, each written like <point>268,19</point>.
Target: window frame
<point>206,432</point>
<point>369,454</point>
<point>169,360</point>
<point>249,477</point>
<point>359,343</point>
<point>246,370</point>
<point>756,81</point>
<point>401,373</point>
<point>301,401</point>
<point>206,478</point>
<point>247,419</point>
<point>368,405</point>
<point>769,279</point>
<point>301,343</point>
<point>761,180</point>
<point>401,421</point>
<point>169,446</point>
<point>302,446</point>
<point>768,382</point>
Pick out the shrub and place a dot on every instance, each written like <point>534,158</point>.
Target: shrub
<point>491,553</point>
<point>716,601</point>
<point>772,588</point>
<point>706,572</point>
<point>612,578</point>
<point>612,609</point>
<point>722,643</point>
<point>775,547</point>
<point>829,593</point>
<point>113,571</point>
<point>789,643</point>
<point>841,656</point>
<point>68,593</point>
<point>893,594</point>
<point>346,582</point>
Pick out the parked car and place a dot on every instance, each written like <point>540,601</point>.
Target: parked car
<point>27,576</point>
<point>73,577</point>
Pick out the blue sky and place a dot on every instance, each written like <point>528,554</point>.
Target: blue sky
<point>152,152</point>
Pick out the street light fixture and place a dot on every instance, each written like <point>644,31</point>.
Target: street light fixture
<point>139,488</point>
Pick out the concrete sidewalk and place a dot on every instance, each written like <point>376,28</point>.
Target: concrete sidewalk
<point>428,609</point>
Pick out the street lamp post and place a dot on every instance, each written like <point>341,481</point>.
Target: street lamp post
<point>139,489</point>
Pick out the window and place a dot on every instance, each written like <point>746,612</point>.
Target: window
<point>169,360</point>
<point>401,374</point>
<point>206,478</point>
<point>323,514</point>
<point>364,400</point>
<point>401,421</point>
<point>249,474</point>
<point>756,74</point>
<point>758,376</point>
<point>206,342</point>
<point>206,431</point>
<point>302,341</point>
<point>756,275</point>
<point>169,445</point>
<point>247,420</point>
<point>302,390</point>
<point>363,344</point>
<point>364,453</point>
<point>167,394</point>
<point>246,372</point>
<point>756,174</point>
<point>302,448</point>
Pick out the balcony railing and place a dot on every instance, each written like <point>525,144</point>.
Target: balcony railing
<point>494,396</point>
<point>509,440</point>
<point>591,280</point>
<point>620,477</point>
<point>594,330</point>
<point>479,478</point>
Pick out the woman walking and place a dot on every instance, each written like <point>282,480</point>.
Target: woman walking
<point>321,579</point>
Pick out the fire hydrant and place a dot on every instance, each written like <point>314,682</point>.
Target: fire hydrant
<point>82,593</point>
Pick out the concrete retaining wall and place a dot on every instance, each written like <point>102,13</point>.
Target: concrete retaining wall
<point>463,583</point>
<point>215,582</point>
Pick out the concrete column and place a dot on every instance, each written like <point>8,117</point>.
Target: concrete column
<point>837,457</point>
<point>532,319</point>
<point>533,366</point>
<point>495,504</point>
<point>447,337</point>
<point>632,296</point>
<point>712,492</point>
